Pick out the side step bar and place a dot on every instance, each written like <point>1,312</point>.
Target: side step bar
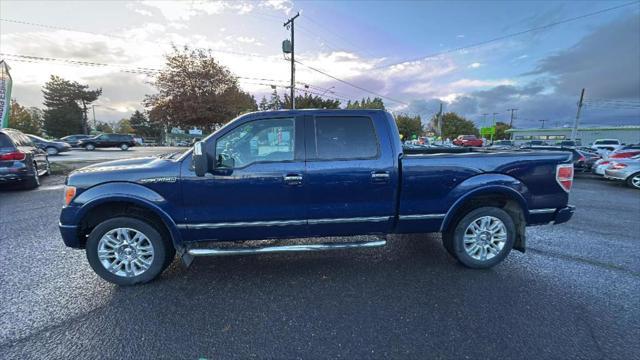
<point>286,248</point>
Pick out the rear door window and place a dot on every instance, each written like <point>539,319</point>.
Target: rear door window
<point>345,137</point>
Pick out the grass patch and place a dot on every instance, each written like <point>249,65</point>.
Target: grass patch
<point>66,167</point>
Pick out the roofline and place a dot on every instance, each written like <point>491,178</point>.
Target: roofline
<point>623,127</point>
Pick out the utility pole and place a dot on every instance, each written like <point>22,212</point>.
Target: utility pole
<point>290,25</point>
<point>574,132</point>
<point>512,117</point>
<point>543,121</point>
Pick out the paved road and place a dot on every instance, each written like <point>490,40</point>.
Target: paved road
<point>574,294</point>
<point>112,154</point>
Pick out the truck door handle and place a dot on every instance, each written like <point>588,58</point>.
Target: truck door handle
<point>293,179</point>
<point>380,176</point>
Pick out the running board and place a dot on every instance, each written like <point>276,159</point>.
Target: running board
<point>286,248</point>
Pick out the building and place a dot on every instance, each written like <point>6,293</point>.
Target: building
<point>586,135</point>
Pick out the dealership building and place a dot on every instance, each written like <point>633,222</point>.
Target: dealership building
<point>586,135</point>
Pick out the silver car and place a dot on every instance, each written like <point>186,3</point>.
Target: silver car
<point>627,170</point>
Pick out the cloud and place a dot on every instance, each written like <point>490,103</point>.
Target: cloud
<point>175,11</point>
<point>604,62</point>
<point>475,65</point>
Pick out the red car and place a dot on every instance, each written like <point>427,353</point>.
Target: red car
<point>467,140</point>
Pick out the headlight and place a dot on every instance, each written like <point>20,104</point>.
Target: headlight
<point>69,194</point>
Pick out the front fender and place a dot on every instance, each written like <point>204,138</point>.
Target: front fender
<point>122,192</point>
<point>486,184</point>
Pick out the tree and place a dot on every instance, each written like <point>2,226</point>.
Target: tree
<point>308,101</point>
<point>501,129</point>
<point>26,120</point>
<point>124,127</point>
<point>104,127</point>
<point>66,106</point>
<point>454,125</point>
<point>143,126</point>
<point>264,104</point>
<point>275,103</point>
<point>195,90</point>
<point>367,103</point>
<point>408,126</point>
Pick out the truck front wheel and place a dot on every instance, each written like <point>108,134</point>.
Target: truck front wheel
<point>482,238</point>
<point>128,251</point>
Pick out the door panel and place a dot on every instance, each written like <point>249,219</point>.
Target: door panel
<point>261,196</point>
<point>350,178</point>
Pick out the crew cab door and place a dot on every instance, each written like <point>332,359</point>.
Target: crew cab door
<point>257,189</point>
<point>351,177</point>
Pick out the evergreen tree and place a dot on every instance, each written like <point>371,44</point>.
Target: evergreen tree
<point>66,105</point>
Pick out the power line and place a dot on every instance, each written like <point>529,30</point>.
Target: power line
<point>46,26</point>
<point>351,84</point>
<point>477,44</point>
<point>148,70</point>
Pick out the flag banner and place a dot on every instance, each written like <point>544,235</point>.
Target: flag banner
<point>5,94</point>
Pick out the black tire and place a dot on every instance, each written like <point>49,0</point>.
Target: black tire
<point>164,251</point>
<point>124,147</point>
<point>453,239</point>
<point>90,147</point>
<point>33,181</point>
<point>630,181</point>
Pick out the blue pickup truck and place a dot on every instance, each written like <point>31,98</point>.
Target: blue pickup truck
<point>308,173</point>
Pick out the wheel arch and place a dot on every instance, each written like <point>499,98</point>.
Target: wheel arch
<point>107,206</point>
<point>497,195</point>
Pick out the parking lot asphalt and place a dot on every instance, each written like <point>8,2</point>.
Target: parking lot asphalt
<point>574,294</point>
<point>106,154</point>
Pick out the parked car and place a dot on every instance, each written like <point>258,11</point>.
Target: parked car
<point>307,173</point>
<point>74,140</point>
<point>51,147</point>
<point>601,165</point>
<point>627,170</point>
<point>21,161</point>
<point>502,145</point>
<point>606,144</point>
<point>122,141</point>
<point>532,143</point>
<point>467,140</point>
<point>569,143</point>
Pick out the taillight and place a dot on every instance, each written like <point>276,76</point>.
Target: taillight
<point>605,163</point>
<point>69,194</point>
<point>618,166</point>
<point>564,176</point>
<point>582,158</point>
<point>16,155</point>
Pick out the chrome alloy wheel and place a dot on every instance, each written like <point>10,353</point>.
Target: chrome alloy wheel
<point>635,181</point>
<point>125,252</point>
<point>485,237</point>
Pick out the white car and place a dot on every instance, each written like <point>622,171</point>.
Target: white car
<point>606,144</point>
<point>600,166</point>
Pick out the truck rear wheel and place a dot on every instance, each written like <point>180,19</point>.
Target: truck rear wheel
<point>128,251</point>
<point>482,238</point>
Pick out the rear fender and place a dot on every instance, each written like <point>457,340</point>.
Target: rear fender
<point>131,193</point>
<point>485,184</point>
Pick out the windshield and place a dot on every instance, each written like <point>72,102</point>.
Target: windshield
<point>607,142</point>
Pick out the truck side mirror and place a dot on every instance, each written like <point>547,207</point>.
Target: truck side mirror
<point>200,163</point>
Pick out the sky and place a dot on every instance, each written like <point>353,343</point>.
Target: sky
<point>476,57</point>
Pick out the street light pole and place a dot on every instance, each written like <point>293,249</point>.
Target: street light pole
<point>93,109</point>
